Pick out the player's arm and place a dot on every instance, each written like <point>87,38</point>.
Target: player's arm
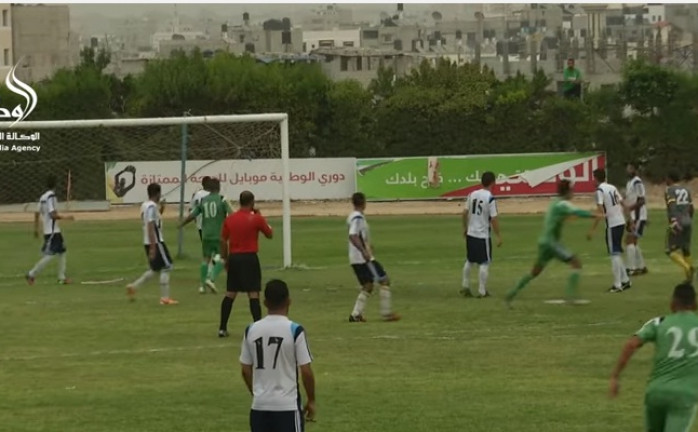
<point>263,226</point>
<point>161,206</point>
<point>192,216</point>
<point>465,215</point>
<point>53,210</point>
<point>672,209</point>
<point>356,240</point>
<point>304,359</point>
<point>225,235</point>
<point>494,220</point>
<point>599,210</point>
<point>246,361</point>
<point>648,333</point>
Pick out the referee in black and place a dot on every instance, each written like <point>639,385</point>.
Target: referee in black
<point>239,247</point>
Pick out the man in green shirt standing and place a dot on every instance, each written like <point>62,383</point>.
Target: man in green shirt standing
<point>572,81</point>
<point>549,246</point>
<point>671,397</point>
<point>213,209</point>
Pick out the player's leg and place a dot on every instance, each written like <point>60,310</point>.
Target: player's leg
<point>614,243</point>
<point>46,256</point>
<point>209,249</point>
<point>216,264</point>
<point>152,269</point>
<point>164,262</point>
<point>674,249</point>
<point>484,267</point>
<point>469,252</point>
<point>58,247</point>
<point>639,257</point>
<point>655,416</point>
<point>259,421</point>
<point>680,418</point>
<point>286,421</point>
<point>253,284</point>
<point>232,286</point>
<point>545,254</point>
<point>631,250</point>
<point>386,307</point>
<point>365,278</point>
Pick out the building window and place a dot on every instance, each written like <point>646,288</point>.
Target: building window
<point>387,38</point>
<point>370,34</point>
<point>242,38</point>
<point>660,18</point>
<point>654,18</point>
<point>368,63</point>
<point>349,44</point>
<point>5,20</point>
<point>344,64</point>
<point>6,57</point>
<point>359,63</point>
<point>327,43</point>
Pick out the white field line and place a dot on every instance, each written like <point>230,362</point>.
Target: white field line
<point>466,335</point>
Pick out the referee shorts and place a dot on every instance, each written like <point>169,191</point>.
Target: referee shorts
<point>244,273</point>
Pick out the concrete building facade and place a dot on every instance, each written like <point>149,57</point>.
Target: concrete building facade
<point>42,40</point>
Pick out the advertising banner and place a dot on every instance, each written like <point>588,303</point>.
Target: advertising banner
<point>311,179</point>
<point>518,175</point>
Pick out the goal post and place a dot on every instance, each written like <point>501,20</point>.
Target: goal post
<point>78,152</point>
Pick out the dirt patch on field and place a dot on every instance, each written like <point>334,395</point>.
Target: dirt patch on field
<point>655,194</point>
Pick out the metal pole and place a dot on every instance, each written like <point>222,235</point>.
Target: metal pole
<point>182,186</point>
<point>286,194</point>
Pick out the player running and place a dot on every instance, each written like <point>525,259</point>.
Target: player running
<point>671,395</point>
<point>195,201</point>
<point>155,248</point>
<point>610,204</point>
<point>366,268</point>
<point>679,206</point>
<point>549,246</point>
<point>212,209</point>
<point>53,245</point>
<point>479,214</point>
<point>635,200</point>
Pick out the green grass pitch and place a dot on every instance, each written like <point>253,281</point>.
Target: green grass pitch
<point>82,358</point>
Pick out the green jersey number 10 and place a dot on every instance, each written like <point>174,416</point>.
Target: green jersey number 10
<point>210,209</point>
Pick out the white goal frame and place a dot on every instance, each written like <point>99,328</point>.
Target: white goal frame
<point>280,118</point>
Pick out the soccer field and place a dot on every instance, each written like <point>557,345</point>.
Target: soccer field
<point>82,358</point>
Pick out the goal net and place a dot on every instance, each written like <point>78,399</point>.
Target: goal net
<point>103,164</point>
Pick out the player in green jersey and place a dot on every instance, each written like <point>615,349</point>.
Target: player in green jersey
<point>549,246</point>
<point>679,206</point>
<point>671,397</point>
<point>214,209</point>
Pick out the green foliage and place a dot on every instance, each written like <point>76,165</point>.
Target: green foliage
<point>438,108</point>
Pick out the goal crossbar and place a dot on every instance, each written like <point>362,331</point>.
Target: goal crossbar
<point>184,121</point>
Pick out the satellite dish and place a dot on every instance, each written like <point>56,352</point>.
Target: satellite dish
<point>436,16</point>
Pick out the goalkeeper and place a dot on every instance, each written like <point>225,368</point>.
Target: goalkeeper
<point>679,206</point>
<point>213,210</point>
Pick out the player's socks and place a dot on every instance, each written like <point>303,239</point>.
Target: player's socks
<point>622,270</point>
<point>483,275</point>
<point>203,273</point>
<point>679,259</point>
<point>226,309</point>
<point>165,288</point>
<point>466,275</point>
<point>639,258</point>
<point>631,262</point>
<point>572,283</point>
<point>519,286</point>
<point>62,264</point>
<point>40,265</point>
<point>616,269</point>
<point>217,269</point>
<point>360,304</point>
<point>255,309</point>
<point>141,280</point>
<point>385,299</point>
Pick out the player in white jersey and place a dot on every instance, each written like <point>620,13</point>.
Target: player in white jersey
<point>155,249</point>
<point>53,245</point>
<point>196,200</point>
<point>479,219</point>
<point>610,203</point>
<point>366,268</point>
<point>635,201</point>
<point>273,350</point>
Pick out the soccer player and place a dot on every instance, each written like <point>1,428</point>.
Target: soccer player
<point>679,206</point>
<point>479,214</point>
<point>635,200</point>
<point>610,203</point>
<point>366,268</point>
<point>273,350</point>
<point>47,210</point>
<point>155,248</point>
<point>549,246</point>
<point>239,247</point>
<point>671,395</point>
<point>212,209</point>
<point>196,200</point>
